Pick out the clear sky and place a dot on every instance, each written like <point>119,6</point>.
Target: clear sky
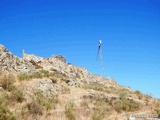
<point>129,30</point>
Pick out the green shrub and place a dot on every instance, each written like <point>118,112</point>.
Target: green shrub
<point>69,111</point>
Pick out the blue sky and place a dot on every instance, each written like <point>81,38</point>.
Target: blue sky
<point>129,30</point>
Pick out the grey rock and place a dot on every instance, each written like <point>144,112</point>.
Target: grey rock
<point>47,87</point>
<point>12,63</point>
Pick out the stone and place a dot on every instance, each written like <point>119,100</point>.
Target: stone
<point>32,57</point>
<point>12,63</point>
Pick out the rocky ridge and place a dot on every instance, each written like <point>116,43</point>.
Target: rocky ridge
<point>12,63</point>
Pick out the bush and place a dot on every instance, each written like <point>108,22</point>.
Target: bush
<point>7,81</point>
<point>17,95</point>
<point>69,111</point>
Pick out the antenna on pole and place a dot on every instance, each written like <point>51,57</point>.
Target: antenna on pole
<point>100,55</point>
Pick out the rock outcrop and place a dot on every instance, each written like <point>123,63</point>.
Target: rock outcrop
<point>12,63</point>
<point>32,57</point>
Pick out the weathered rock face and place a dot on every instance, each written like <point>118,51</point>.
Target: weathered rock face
<point>12,63</point>
<point>32,57</point>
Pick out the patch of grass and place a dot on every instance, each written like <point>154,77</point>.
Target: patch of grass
<point>99,111</point>
<point>3,98</point>
<point>96,86</point>
<point>36,75</point>
<point>35,108</point>
<point>59,75</point>
<point>122,94</point>
<point>51,102</point>
<point>65,90</point>
<point>126,105</point>
<point>139,94</point>
<point>44,73</point>
<point>17,95</point>
<point>7,82</point>
<point>69,111</point>
<point>6,114</point>
<point>118,106</point>
<point>28,76</point>
<point>23,76</point>
<point>84,104</point>
<point>47,102</point>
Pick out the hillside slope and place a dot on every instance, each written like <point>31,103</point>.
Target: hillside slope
<point>52,89</point>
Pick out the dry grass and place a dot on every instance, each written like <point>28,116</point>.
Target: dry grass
<point>7,81</point>
<point>96,87</point>
<point>6,114</point>
<point>69,111</point>
<point>126,105</point>
<point>99,111</point>
<point>139,94</point>
<point>65,90</point>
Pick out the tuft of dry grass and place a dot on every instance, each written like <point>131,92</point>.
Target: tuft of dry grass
<point>7,82</point>
<point>6,114</point>
<point>139,94</point>
<point>99,111</point>
<point>126,105</point>
<point>65,90</point>
<point>69,111</point>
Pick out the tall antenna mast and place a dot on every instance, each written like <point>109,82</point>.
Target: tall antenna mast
<point>100,55</point>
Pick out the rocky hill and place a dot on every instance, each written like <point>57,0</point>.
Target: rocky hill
<point>37,88</point>
<point>11,63</point>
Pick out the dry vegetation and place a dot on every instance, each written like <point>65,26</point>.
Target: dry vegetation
<point>101,104</point>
